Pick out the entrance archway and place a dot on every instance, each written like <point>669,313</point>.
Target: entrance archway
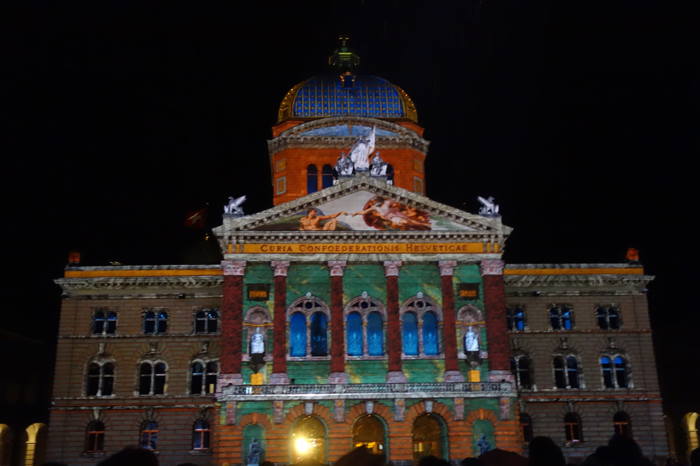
<point>690,426</point>
<point>308,440</point>
<point>368,431</point>
<point>428,436</point>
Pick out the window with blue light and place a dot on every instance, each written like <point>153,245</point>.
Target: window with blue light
<point>311,179</point>
<point>375,334</point>
<point>410,334</point>
<point>319,334</point>
<point>327,176</point>
<point>561,318</point>
<point>354,334</point>
<point>430,334</point>
<point>297,335</point>
<point>515,318</point>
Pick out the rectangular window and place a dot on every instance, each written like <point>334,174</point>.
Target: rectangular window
<point>418,165</point>
<point>280,165</point>
<point>281,185</point>
<point>417,185</point>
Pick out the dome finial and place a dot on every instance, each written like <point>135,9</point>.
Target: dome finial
<point>344,60</point>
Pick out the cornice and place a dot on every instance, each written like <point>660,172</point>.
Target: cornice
<point>72,286</point>
<point>575,285</point>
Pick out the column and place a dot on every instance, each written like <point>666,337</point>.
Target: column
<point>337,374</point>
<point>394,350</point>
<point>279,324</point>
<point>496,330</point>
<point>449,322</point>
<point>232,323</point>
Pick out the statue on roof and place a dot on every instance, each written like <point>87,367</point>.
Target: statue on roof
<point>344,165</point>
<point>378,166</point>
<point>489,208</point>
<point>362,149</point>
<point>234,206</point>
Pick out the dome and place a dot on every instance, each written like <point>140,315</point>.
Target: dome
<point>334,95</point>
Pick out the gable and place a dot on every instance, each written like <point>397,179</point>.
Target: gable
<point>365,204</point>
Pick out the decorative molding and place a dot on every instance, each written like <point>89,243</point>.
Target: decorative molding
<point>447,267</point>
<point>492,267</point>
<point>280,268</point>
<point>236,268</point>
<point>69,285</point>
<point>337,268</point>
<point>391,268</point>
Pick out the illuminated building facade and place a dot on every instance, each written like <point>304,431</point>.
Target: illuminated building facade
<point>356,311</point>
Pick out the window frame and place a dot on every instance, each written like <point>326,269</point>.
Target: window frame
<point>622,427</point>
<point>556,313</point>
<point>411,305</point>
<point>94,437</point>
<point>101,377</point>
<point>207,376</point>
<point>565,372</point>
<point>156,317</point>
<point>153,380</point>
<point>517,371</point>
<point>107,321</point>
<point>152,432</point>
<point>365,307</point>
<point>203,433</point>
<point>207,321</point>
<point>573,428</point>
<point>612,373</point>
<point>603,317</point>
<point>511,318</point>
<point>307,306</point>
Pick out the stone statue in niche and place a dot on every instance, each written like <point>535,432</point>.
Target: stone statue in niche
<point>257,351</point>
<point>255,453</point>
<point>483,445</point>
<point>471,346</point>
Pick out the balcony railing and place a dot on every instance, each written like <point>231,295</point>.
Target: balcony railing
<point>366,390</point>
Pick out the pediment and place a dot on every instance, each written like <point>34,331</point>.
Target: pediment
<point>365,204</point>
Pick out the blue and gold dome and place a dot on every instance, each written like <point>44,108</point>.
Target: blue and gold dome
<point>346,94</point>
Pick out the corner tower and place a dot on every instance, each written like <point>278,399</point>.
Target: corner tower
<point>325,115</point>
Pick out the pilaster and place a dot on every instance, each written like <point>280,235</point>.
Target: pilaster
<point>395,373</point>
<point>232,323</point>
<point>449,327</point>
<point>496,330</point>
<point>337,375</point>
<point>279,324</point>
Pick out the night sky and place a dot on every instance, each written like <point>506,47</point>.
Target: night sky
<point>579,117</point>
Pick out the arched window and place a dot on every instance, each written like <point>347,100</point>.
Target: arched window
<point>298,334</point>
<point>152,378</point>
<point>95,437</point>
<point>521,368</point>
<point>566,372</point>
<point>614,371</point>
<point>368,431</point>
<point>149,435</point>
<point>308,327</point>
<point>319,334</point>
<point>430,334</point>
<point>622,424</point>
<point>427,436</point>
<point>423,339</point>
<point>526,426</point>
<point>515,318</point>
<point>354,334</point>
<point>327,176</point>
<point>309,440</point>
<point>200,435</point>
<point>410,333</point>
<point>155,322</point>
<point>311,179</point>
<point>206,321</point>
<point>561,317</point>
<point>572,427</point>
<point>365,327</point>
<point>104,322</point>
<point>608,317</point>
<point>100,379</point>
<point>203,377</point>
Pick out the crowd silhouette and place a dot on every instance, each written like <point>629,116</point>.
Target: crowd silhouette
<point>620,451</point>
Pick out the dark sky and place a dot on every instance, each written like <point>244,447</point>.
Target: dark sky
<point>579,117</point>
